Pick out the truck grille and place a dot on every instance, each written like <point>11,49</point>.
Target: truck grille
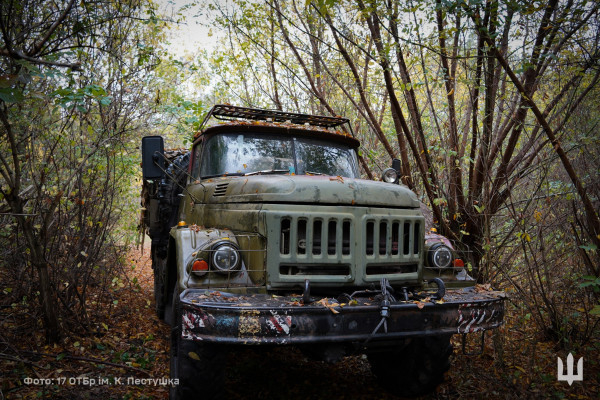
<point>347,246</point>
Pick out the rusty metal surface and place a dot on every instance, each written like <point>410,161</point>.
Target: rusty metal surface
<point>267,319</point>
<point>227,111</point>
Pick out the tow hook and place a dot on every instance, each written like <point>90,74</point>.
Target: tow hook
<point>441,289</point>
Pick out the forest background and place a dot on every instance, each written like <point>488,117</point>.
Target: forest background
<point>491,106</point>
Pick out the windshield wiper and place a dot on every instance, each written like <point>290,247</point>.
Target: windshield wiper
<point>313,173</point>
<point>225,174</point>
<point>268,171</point>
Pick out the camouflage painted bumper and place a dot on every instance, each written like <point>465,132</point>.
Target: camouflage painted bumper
<point>266,319</point>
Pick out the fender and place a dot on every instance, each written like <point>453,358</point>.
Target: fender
<point>192,243</point>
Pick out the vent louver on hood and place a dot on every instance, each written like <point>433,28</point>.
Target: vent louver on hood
<point>220,189</point>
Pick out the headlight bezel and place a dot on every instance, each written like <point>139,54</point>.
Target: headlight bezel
<point>389,175</point>
<point>214,252</point>
<point>436,251</point>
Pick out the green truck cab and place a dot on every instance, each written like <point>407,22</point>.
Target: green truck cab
<point>265,234</point>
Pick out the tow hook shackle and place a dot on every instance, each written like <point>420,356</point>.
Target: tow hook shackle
<point>405,293</point>
<point>385,308</point>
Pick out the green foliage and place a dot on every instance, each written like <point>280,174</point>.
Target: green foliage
<point>592,282</point>
<point>73,119</point>
<point>589,247</point>
<point>11,95</point>
<point>188,116</point>
<point>77,97</point>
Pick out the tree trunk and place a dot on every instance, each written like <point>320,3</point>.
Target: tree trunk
<point>47,299</point>
<point>48,304</point>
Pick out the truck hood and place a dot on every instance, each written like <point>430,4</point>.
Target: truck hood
<point>303,189</point>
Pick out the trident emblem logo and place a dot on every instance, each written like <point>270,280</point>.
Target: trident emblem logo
<point>570,377</point>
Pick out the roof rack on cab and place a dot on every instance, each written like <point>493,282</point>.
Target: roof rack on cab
<point>226,112</point>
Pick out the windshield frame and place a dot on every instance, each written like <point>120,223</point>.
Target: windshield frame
<point>327,139</point>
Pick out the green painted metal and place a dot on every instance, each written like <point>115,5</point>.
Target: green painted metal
<point>296,189</point>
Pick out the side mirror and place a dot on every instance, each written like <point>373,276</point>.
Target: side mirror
<point>153,162</point>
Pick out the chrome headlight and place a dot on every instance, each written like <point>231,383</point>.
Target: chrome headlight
<point>390,175</point>
<point>225,257</point>
<point>440,256</point>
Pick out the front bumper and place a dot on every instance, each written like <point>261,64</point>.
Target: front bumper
<point>214,316</point>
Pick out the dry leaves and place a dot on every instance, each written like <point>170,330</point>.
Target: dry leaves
<point>325,303</point>
<point>483,288</point>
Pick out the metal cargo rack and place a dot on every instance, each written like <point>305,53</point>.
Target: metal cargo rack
<point>225,112</point>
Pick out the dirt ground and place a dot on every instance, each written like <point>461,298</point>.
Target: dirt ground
<point>129,359</point>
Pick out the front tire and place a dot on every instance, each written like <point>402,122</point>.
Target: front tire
<point>415,368</point>
<point>160,296</point>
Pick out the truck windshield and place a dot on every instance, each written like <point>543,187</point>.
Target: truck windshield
<point>246,154</point>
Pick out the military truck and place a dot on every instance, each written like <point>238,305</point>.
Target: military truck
<point>264,234</point>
